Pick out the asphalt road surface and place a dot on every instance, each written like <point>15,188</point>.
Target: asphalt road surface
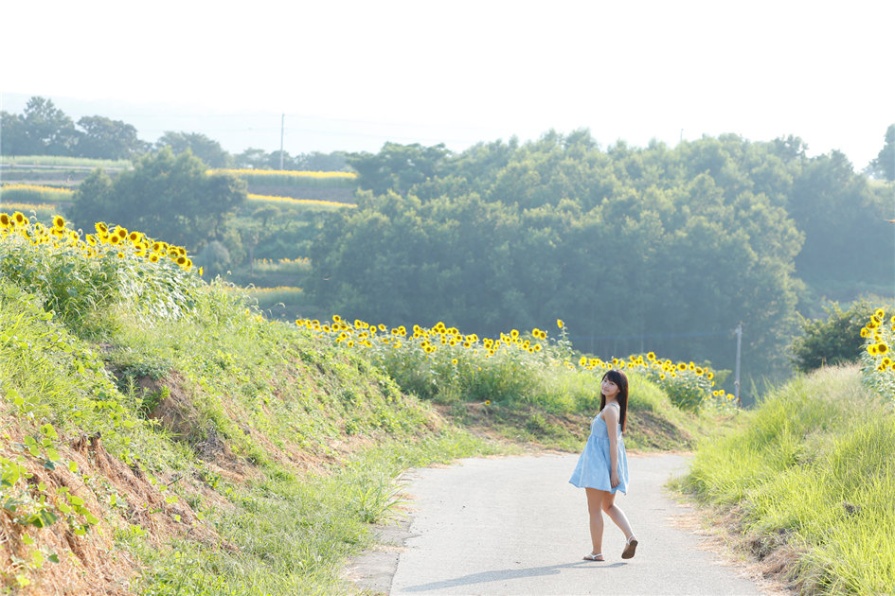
<point>514,525</point>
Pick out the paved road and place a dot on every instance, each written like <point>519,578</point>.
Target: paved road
<point>515,526</point>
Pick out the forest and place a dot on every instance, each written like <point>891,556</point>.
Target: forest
<point>658,248</point>
<point>655,248</point>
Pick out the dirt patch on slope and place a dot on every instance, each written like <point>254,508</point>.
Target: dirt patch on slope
<point>65,553</point>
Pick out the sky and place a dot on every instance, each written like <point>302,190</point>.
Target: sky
<point>351,75</point>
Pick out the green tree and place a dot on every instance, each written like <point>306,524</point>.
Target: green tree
<point>316,161</point>
<point>168,197</point>
<point>42,129</point>
<point>251,158</point>
<point>833,341</point>
<point>13,140</point>
<point>843,220</point>
<point>637,249</point>
<point>398,167</point>
<point>214,259</point>
<point>94,201</point>
<point>104,138</point>
<point>884,165</point>
<point>206,149</point>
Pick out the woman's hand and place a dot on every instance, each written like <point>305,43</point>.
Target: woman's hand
<point>614,480</point>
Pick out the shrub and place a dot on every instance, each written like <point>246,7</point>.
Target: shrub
<point>833,341</point>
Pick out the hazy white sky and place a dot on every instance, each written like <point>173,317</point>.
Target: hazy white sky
<point>353,74</point>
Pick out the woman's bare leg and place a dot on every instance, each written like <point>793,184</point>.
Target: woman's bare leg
<point>595,499</point>
<point>616,514</point>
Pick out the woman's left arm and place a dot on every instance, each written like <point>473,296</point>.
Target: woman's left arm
<point>610,416</point>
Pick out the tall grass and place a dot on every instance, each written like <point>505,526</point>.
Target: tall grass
<point>295,533</point>
<point>256,453</point>
<point>191,388</point>
<point>814,471</point>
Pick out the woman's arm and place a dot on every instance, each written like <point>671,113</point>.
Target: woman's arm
<point>610,416</point>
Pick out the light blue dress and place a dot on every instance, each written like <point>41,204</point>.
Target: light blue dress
<point>594,465</point>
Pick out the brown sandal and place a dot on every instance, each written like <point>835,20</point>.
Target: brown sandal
<point>630,548</point>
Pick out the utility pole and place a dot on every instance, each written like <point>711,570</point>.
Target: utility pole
<point>282,128</point>
<point>736,380</point>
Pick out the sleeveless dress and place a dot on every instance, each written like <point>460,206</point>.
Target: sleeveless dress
<point>594,465</point>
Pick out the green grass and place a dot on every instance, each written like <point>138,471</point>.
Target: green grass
<point>814,470</point>
<point>276,450</point>
<point>295,533</point>
<point>194,446</point>
<point>528,387</point>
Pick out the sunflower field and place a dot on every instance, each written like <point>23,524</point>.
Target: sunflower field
<point>74,275</point>
<point>878,358</point>
<point>445,365</point>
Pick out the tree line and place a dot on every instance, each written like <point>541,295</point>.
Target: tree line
<point>655,248</point>
<point>44,129</point>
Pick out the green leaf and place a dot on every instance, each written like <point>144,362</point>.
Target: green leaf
<point>32,446</point>
<point>48,431</point>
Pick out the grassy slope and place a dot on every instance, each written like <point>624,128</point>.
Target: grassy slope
<point>807,484</point>
<point>160,436</point>
<point>219,448</point>
<point>180,433</point>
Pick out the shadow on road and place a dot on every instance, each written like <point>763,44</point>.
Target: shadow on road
<point>507,574</point>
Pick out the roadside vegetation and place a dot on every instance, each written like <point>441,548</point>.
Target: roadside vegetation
<point>662,248</point>
<point>192,402</point>
<point>161,436</point>
<point>806,484</point>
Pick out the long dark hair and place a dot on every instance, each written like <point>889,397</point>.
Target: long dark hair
<point>620,379</point>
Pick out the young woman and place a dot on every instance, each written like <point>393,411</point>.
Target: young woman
<point>602,468</point>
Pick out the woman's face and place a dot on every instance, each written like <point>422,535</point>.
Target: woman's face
<point>610,389</point>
